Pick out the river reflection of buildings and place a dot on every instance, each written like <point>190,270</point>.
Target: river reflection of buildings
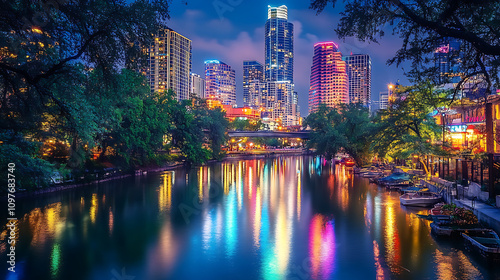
<point>267,202</point>
<point>271,205</point>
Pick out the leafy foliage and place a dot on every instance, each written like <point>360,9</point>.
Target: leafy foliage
<point>407,127</point>
<point>30,171</point>
<point>245,125</point>
<point>348,128</point>
<point>422,25</point>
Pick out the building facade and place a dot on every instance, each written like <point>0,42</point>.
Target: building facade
<point>220,82</point>
<point>447,60</point>
<point>169,63</point>
<point>281,103</point>
<point>197,86</point>
<point>329,80</point>
<point>384,100</point>
<point>279,45</point>
<point>359,72</point>
<point>253,79</point>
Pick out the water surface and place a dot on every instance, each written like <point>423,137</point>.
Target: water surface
<point>278,218</point>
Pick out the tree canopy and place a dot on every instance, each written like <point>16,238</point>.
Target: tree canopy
<point>407,127</point>
<point>422,25</point>
<point>348,128</point>
<point>47,49</point>
<point>70,85</point>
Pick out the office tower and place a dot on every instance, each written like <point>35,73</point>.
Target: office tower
<point>447,60</point>
<point>279,45</point>
<point>169,63</point>
<point>329,81</point>
<point>278,70</point>
<point>220,82</point>
<point>253,78</point>
<point>197,86</point>
<point>256,94</point>
<point>279,102</point>
<point>359,68</point>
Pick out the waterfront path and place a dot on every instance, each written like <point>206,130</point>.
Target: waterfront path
<point>487,214</point>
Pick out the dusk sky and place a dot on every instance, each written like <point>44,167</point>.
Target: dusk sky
<point>237,34</point>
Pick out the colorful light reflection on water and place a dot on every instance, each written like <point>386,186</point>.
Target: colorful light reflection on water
<point>279,218</point>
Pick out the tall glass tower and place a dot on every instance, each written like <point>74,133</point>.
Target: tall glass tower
<point>253,77</point>
<point>447,59</point>
<point>279,45</point>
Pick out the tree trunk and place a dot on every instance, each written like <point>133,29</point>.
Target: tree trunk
<point>424,165</point>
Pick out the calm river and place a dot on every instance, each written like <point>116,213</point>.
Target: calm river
<point>278,218</point>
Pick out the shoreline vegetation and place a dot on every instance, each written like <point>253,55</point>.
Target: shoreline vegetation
<point>170,166</point>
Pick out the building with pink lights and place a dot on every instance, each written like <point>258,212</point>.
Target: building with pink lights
<point>329,82</point>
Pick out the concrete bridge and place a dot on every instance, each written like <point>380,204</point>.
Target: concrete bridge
<point>273,134</point>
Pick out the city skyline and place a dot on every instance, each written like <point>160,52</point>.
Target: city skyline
<point>239,35</point>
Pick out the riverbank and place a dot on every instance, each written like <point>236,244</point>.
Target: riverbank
<point>62,187</point>
<point>168,167</point>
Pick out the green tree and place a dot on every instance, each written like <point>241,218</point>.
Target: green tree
<point>217,128</point>
<point>349,128</point>
<point>422,25</point>
<point>51,51</point>
<point>245,124</point>
<point>407,127</point>
<point>29,171</point>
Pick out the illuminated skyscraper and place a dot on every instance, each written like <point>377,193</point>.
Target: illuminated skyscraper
<point>280,97</point>
<point>169,64</point>
<point>253,78</point>
<point>447,60</point>
<point>280,102</point>
<point>220,82</point>
<point>359,72</point>
<point>279,45</point>
<point>329,81</point>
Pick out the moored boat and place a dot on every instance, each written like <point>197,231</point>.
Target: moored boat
<point>443,227</point>
<point>371,174</point>
<point>486,242</point>
<point>420,199</point>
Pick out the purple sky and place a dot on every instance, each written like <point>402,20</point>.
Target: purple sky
<point>233,31</point>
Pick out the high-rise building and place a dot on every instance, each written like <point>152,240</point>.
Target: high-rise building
<point>253,78</point>
<point>220,82</point>
<point>169,63</point>
<point>279,45</point>
<point>329,81</point>
<point>280,102</point>
<point>359,72</point>
<point>447,60</point>
<point>257,94</point>
<point>197,85</point>
<point>279,97</point>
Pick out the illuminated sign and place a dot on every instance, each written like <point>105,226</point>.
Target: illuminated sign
<point>458,128</point>
<point>212,61</point>
<point>443,49</point>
